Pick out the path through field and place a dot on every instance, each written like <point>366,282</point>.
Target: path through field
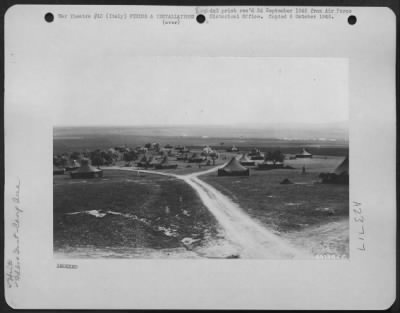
<point>250,239</point>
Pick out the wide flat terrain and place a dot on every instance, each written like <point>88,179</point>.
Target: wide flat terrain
<point>126,214</point>
<point>307,213</point>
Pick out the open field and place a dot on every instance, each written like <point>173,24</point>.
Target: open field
<point>132,214</point>
<point>128,212</point>
<point>307,213</point>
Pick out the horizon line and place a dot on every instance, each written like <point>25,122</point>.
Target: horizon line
<point>211,125</point>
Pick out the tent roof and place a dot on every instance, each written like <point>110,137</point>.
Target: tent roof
<point>343,167</point>
<point>73,163</point>
<point>234,166</point>
<point>244,158</point>
<point>304,152</point>
<point>86,167</point>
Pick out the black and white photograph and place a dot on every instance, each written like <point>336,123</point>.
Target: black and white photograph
<point>199,157</point>
<point>224,158</point>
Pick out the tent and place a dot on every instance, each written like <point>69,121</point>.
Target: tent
<point>233,168</point>
<point>164,164</point>
<point>196,158</point>
<point>339,176</point>
<point>86,171</point>
<point>73,165</point>
<point>232,149</point>
<point>256,154</point>
<point>245,161</point>
<point>156,161</point>
<point>207,150</point>
<point>269,165</point>
<point>304,154</point>
<point>343,168</point>
<point>58,170</point>
<point>286,181</point>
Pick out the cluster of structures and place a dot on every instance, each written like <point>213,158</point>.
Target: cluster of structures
<point>79,170</point>
<point>153,156</point>
<point>207,156</point>
<point>150,155</point>
<point>241,166</point>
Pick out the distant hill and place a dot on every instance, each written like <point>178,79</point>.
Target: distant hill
<point>333,131</point>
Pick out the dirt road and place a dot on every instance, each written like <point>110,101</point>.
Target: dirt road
<point>250,239</point>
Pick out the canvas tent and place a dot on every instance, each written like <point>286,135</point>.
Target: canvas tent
<point>207,150</point>
<point>86,171</point>
<point>232,149</point>
<point>196,158</point>
<point>73,165</point>
<point>343,168</point>
<point>269,165</point>
<point>304,154</point>
<point>155,161</point>
<point>256,154</point>
<point>339,176</point>
<point>245,161</point>
<point>165,164</point>
<point>233,168</point>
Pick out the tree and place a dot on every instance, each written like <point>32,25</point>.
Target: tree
<point>107,157</point>
<point>275,156</point>
<point>96,158</point>
<point>75,155</point>
<point>63,161</point>
<point>130,156</point>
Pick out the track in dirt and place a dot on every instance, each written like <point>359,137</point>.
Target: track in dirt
<point>250,239</point>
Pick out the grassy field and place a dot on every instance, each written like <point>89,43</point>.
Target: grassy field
<point>133,212</point>
<point>303,212</point>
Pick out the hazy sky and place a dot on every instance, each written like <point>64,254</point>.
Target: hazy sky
<point>115,90</point>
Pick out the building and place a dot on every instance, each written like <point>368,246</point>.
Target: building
<point>86,171</point>
<point>304,154</point>
<point>233,168</point>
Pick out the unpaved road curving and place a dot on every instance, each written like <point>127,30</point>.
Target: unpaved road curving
<point>250,239</point>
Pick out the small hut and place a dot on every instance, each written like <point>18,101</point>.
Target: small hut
<point>256,154</point>
<point>232,149</point>
<point>73,165</point>
<point>339,176</point>
<point>245,161</point>
<point>269,165</point>
<point>86,171</point>
<point>233,168</point>
<point>304,154</point>
<point>165,164</point>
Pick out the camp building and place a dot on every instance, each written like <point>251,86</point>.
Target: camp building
<point>245,161</point>
<point>86,171</point>
<point>343,168</point>
<point>73,165</point>
<point>233,168</point>
<point>304,154</point>
<point>339,176</point>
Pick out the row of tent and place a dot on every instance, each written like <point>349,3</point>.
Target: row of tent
<point>157,163</point>
<point>83,170</point>
<point>339,175</point>
<point>246,161</point>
